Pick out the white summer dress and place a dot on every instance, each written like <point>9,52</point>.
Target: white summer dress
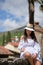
<point>30,46</point>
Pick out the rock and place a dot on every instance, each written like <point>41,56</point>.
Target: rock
<point>21,62</point>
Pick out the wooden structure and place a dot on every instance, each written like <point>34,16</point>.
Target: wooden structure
<point>39,36</point>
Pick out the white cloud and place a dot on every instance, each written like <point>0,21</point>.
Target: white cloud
<point>27,19</point>
<point>16,7</point>
<point>9,25</point>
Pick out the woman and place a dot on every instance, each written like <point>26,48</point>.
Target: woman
<point>29,46</point>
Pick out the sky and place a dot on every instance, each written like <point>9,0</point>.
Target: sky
<point>14,14</point>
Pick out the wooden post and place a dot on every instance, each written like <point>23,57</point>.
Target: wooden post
<point>31,12</point>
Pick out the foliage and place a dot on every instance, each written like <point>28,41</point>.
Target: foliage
<point>11,34</point>
<point>3,39</point>
<point>8,38</point>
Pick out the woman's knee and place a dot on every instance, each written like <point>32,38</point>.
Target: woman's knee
<point>37,62</point>
<point>34,56</point>
<point>27,54</point>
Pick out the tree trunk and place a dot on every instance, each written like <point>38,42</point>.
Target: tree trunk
<point>31,11</point>
<point>8,38</point>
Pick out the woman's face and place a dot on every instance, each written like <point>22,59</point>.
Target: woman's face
<point>28,32</point>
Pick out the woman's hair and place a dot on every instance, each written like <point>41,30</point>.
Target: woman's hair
<point>32,35</point>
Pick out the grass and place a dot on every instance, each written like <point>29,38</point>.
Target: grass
<point>13,34</point>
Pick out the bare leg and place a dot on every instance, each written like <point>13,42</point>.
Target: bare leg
<point>31,60</point>
<point>28,56</point>
<point>37,62</point>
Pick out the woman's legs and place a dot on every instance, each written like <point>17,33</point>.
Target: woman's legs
<point>28,56</point>
<point>37,62</point>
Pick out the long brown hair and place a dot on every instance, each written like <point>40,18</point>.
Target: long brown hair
<point>32,35</point>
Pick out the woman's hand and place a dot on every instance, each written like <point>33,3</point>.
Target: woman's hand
<point>22,49</point>
<point>34,56</point>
